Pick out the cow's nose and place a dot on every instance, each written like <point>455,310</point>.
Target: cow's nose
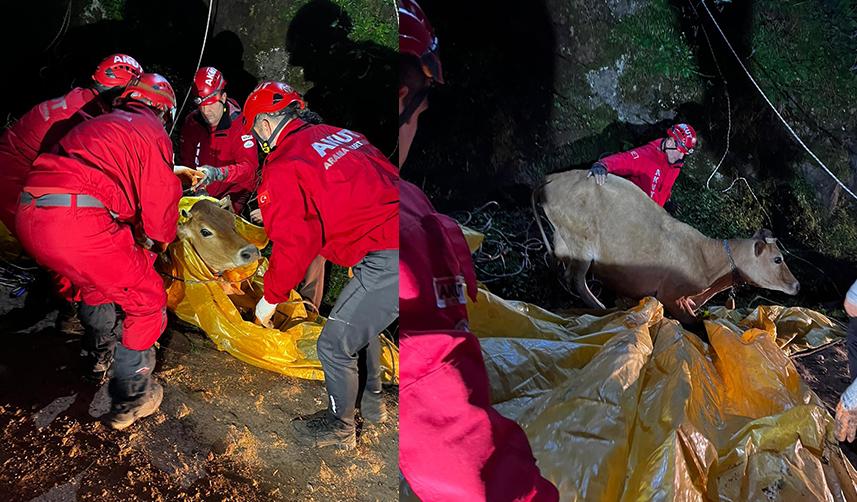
<point>248,254</point>
<point>797,287</point>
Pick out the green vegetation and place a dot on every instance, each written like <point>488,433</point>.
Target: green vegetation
<point>834,235</point>
<point>658,47</point>
<point>113,9</point>
<point>373,20</point>
<point>806,49</point>
<point>716,214</point>
<point>337,280</point>
<point>661,71</point>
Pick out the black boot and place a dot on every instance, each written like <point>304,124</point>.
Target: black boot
<point>372,407</point>
<point>133,391</point>
<point>323,429</point>
<point>68,321</point>
<point>102,329</point>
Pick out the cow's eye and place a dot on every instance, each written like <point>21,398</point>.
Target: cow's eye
<point>206,232</point>
<point>778,260</point>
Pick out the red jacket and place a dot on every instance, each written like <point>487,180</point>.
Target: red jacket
<point>453,445</point>
<point>222,146</point>
<point>647,167</point>
<point>122,158</point>
<point>35,132</point>
<point>325,191</point>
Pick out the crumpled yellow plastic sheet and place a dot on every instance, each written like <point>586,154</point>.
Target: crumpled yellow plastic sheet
<point>630,406</point>
<point>796,329</point>
<point>10,249</point>
<point>201,299</point>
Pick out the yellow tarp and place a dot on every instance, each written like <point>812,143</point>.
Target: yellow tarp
<point>10,249</point>
<point>204,301</point>
<point>630,406</point>
<point>474,239</point>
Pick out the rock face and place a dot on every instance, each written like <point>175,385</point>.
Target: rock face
<point>340,53</point>
<point>531,88</point>
<point>591,78</point>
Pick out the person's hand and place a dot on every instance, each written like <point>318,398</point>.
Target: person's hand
<point>687,304</point>
<point>256,216</point>
<point>265,312</point>
<point>210,174</point>
<point>846,414</point>
<point>599,172</point>
<point>187,175</point>
<point>846,423</point>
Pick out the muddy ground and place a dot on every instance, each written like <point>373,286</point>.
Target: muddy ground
<point>826,373</point>
<point>222,432</point>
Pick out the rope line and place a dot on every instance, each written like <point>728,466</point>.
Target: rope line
<point>774,108</point>
<point>198,64</point>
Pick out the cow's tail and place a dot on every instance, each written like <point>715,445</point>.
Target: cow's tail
<point>537,193</point>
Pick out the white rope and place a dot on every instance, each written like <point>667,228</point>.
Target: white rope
<point>792,131</point>
<point>728,99</point>
<point>198,64</point>
<point>63,27</point>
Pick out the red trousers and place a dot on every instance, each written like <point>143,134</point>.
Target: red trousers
<point>99,256</point>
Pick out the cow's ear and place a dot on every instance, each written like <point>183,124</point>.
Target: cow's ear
<point>186,215</point>
<point>226,203</point>
<point>764,234</point>
<point>759,246</point>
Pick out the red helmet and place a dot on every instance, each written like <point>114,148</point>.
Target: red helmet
<point>208,83</point>
<point>269,97</point>
<point>154,91</point>
<point>684,136</point>
<point>117,70</point>
<point>416,37</point>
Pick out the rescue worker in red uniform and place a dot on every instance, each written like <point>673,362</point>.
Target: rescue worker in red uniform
<point>85,210</point>
<point>653,167</point>
<point>42,126</point>
<point>34,133</point>
<point>327,191</point>
<point>213,142</point>
<point>453,445</point>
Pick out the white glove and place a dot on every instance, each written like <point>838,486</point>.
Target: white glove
<point>264,312</point>
<point>256,216</point>
<point>846,414</point>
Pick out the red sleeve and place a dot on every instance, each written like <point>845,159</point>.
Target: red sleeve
<point>160,191</point>
<point>187,143</point>
<point>621,164</point>
<point>294,226</point>
<point>243,171</point>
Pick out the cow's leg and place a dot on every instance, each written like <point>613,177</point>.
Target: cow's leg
<point>578,271</point>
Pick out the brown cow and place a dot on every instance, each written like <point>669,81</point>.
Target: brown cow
<point>637,249</point>
<point>210,228</point>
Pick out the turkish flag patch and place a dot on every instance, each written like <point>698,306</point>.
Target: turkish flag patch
<point>264,198</point>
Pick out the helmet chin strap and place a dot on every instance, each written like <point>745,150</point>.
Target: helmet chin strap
<point>664,149</point>
<point>413,105</point>
<point>264,143</point>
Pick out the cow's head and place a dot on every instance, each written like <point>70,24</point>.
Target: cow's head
<point>210,228</point>
<point>762,263</point>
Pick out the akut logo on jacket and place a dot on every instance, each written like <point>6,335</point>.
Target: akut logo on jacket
<point>342,142</point>
<point>655,179</point>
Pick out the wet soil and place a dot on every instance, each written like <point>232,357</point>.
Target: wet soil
<point>222,431</point>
